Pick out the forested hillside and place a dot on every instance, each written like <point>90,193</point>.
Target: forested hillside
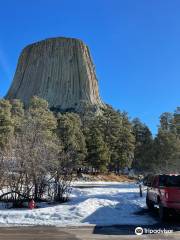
<point>37,141</point>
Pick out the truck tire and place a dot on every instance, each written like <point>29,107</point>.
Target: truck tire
<point>163,213</point>
<point>149,203</point>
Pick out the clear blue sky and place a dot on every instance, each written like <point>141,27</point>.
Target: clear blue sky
<point>135,45</point>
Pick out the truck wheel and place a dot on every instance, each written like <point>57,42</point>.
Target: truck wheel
<point>163,212</point>
<point>149,203</point>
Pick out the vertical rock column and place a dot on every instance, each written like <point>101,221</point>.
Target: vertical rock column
<point>59,70</point>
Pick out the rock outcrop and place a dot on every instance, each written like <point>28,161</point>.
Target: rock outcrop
<point>59,70</point>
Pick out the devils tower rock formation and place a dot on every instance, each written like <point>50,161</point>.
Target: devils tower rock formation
<point>59,70</point>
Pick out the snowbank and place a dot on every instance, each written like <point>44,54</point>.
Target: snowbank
<point>104,204</point>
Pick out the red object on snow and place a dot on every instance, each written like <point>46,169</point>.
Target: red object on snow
<point>31,204</point>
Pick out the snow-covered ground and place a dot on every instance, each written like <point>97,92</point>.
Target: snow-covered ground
<point>106,204</point>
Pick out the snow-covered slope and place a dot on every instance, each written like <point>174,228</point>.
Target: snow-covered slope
<point>106,204</point>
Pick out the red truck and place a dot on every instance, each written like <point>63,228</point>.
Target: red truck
<point>164,191</point>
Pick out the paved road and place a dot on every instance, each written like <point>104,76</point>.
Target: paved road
<point>119,232</point>
<point>79,233</point>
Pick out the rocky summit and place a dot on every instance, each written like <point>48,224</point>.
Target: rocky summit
<point>59,70</point>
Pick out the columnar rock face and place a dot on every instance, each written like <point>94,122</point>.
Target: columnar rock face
<point>59,70</point>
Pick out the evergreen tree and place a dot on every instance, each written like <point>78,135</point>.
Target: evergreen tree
<point>6,134</point>
<point>70,133</point>
<point>126,141</point>
<point>98,152</point>
<point>167,151</point>
<point>40,115</point>
<point>177,121</point>
<point>117,131</point>
<point>167,143</point>
<point>17,113</point>
<point>166,122</point>
<point>143,153</point>
<point>6,124</point>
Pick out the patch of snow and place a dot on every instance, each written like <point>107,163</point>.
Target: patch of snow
<point>104,204</point>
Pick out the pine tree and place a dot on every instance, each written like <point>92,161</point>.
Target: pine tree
<point>98,152</point>
<point>17,113</point>
<point>126,143</point>
<point>177,121</point>
<point>117,134</point>
<point>143,154</point>
<point>6,124</point>
<point>167,151</point>
<point>70,133</point>
<point>167,143</point>
<point>6,134</point>
<point>166,122</point>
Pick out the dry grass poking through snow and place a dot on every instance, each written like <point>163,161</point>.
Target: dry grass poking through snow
<point>108,178</point>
